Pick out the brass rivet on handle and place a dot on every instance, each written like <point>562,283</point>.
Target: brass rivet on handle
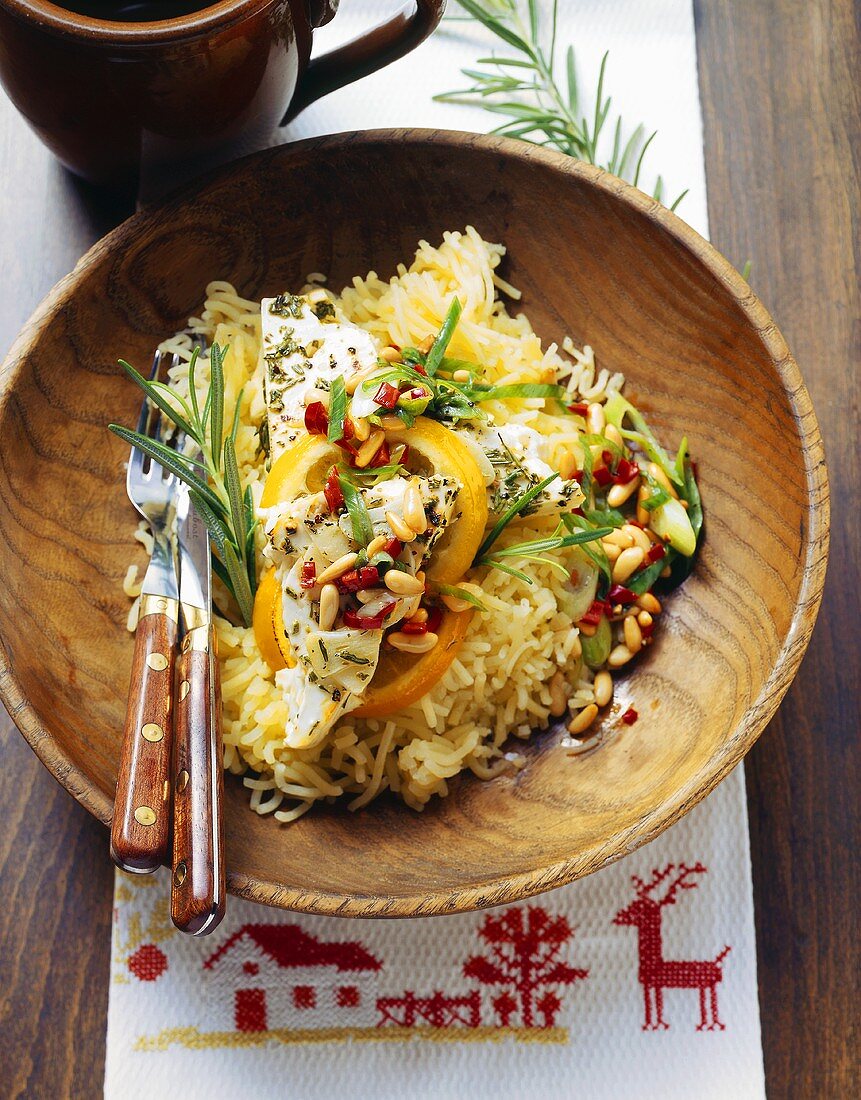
<point>152,732</point>
<point>182,780</point>
<point>184,689</point>
<point>157,662</point>
<point>179,873</point>
<point>145,815</point>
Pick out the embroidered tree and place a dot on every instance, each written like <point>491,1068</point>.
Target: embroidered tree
<point>524,948</point>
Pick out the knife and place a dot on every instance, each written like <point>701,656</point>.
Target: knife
<point>198,878</point>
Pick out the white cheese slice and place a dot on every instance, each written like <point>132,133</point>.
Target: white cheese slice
<point>304,348</point>
<point>515,454</point>
<point>334,667</point>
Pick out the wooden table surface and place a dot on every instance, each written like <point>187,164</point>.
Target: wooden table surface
<point>782,107</point>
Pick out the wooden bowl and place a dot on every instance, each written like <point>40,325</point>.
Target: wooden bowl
<point>594,258</point>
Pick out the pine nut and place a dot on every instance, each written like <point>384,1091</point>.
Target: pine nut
<point>633,634</point>
<point>558,700</point>
<point>644,618</point>
<point>618,494</point>
<point>392,424</point>
<point>420,616</point>
<point>376,545</point>
<point>329,604</point>
<point>361,428</point>
<point>662,479</point>
<point>582,721</point>
<point>612,433</point>
<point>414,510</point>
<point>352,383</point>
<point>611,550</point>
<point>596,421</point>
<point>639,536</point>
<point>456,604</point>
<point>318,295</point>
<point>650,603</point>
<point>403,584</point>
<point>461,376</point>
<point>567,465</point>
<point>317,395</point>
<point>399,529</point>
<point>603,687</point>
<point>619,656</point>
<point>390,354</point>
<point>587,629</point>
<point>338,568</point>
<point>626,563</point>
<point>642,513</point>
<point>620,537</point>
<point>368,449</point>
<point>413,643</point>
<point>576,648</point>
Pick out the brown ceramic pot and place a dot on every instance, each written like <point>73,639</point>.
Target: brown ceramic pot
<point>109,98</point>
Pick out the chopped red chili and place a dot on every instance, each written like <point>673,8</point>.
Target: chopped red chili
<point>316,418</point>
<point>656,553</point>
<point>579,512</point>
<point>356,580</point>
<point>419,368</point>
<point>308,575</point>
<point>626,471</point>
<point>630,716</point>
<point>594,614</point>
<point>607,456</point>
<point>579,408</point>
<point>603,476</point>
<point>332,491</point>
<point>405,456</point>
<point>387,395</point>
<point>365,622</point>
<point>646,630</point>
<point>619,594</point>
<point>383,456</point>
<point>410,627</point>
<point>434,618</point>
<point>393,548</point>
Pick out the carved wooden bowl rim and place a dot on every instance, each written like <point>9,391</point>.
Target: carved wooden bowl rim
<point>501,890</point>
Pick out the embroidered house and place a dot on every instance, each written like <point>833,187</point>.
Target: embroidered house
<point>283,977</point>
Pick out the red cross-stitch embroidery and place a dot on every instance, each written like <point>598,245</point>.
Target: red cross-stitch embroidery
<point>523,954</point>
<point>657,973</point>
<point>148,963</point>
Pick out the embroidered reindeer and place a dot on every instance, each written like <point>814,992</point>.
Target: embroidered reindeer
<point>657,973</point>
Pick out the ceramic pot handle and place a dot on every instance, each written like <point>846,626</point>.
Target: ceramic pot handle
<point>364,55</point>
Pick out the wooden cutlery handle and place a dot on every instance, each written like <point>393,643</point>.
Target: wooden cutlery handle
<point>140,828</point>
<point>198,884</point>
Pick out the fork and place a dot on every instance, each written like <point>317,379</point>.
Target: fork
<point>140,829</point>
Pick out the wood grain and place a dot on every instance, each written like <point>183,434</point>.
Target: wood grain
<point>198,891</point>
<point>140,829</point>
<point>778,78</point>
<point>704,359</point>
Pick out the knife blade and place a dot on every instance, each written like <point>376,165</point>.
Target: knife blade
<point>198,885</point>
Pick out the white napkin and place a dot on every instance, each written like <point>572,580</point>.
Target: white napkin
<point>551,997</point>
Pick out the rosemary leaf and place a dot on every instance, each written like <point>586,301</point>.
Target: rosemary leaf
<point>234,495</point>
<point>216,411</point>
<point>239,582</point>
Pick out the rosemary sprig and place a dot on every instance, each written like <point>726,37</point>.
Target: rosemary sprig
<point>216,489</point>
<point>540,105</point>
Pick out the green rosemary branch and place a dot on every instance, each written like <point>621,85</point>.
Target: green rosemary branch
<point>216,491</point>
<point>540,105</point>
